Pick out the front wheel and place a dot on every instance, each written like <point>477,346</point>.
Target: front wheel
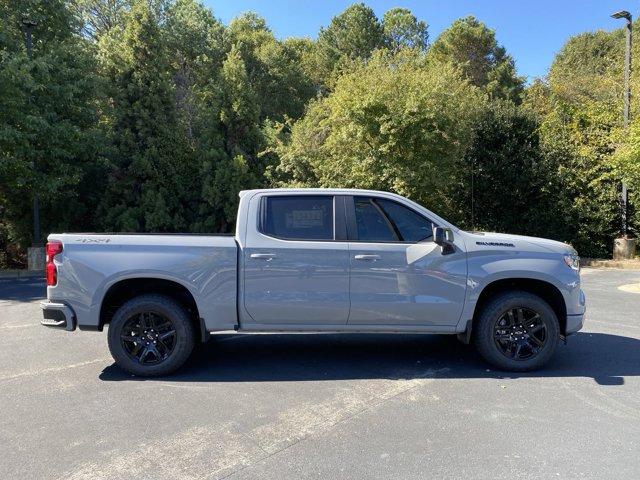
<point>150,335</point>
<point>517,331</point>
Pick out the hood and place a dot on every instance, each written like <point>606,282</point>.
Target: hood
<point>491,240</point>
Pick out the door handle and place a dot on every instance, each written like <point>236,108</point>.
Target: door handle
<point>263,256</point>
<point>367,257</point>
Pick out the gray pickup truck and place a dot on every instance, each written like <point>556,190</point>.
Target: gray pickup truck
<point>316,260</point>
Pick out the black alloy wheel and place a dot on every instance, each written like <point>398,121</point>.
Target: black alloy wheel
<point>151,335</point>
<point>520,334</point>
<point>148,338</point>
<point>516,331</point>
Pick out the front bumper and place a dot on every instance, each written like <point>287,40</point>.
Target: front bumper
<point>575,320</point>
<point>575,323</point>
<point>58,315</point>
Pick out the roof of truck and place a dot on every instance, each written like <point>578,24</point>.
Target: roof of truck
<point>345,191</point>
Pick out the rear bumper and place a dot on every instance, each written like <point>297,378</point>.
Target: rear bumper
<point>58,315</point>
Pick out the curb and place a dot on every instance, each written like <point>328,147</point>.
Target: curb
<point>21,274</point>
<point>620,264</point>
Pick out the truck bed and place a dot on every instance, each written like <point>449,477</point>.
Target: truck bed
<point>91,266</point>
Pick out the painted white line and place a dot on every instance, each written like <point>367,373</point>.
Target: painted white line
<point>611,324</point>
<point>9,327</point>
<point>189,387</point>
<point>190,454</point>
<point>219,450</point>
<point>631,288</point>
<point>20,303</point>
<point>587,271</point>
<point>34,373</point>
<point>606,404</point>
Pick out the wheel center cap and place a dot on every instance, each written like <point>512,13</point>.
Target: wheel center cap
<point>150,336</point>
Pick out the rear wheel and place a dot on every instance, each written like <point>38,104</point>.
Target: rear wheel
<point>517,331</point>
<point>151,335</point>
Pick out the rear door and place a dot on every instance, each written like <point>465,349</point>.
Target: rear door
<point>296,263</point>
<point>399,276</point>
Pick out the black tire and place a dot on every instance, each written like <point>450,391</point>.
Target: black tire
<point>513,345</point>
<point>127,335</point>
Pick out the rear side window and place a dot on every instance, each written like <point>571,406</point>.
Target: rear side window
<point>302,217</point>
<point>382,220</point>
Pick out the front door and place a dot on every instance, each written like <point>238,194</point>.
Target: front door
<point>398,275</point>
<point>296,270</point>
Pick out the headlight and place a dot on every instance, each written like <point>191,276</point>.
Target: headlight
<point>572,260</point>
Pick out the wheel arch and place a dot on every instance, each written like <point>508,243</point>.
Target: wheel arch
<point>126,289</point>
<point>541,288</point>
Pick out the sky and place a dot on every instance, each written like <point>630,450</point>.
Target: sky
<point>532,31</point>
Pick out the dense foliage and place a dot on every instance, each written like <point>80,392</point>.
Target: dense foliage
<point>151,115</point>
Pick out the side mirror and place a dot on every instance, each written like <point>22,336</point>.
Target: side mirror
<point>444,237</point>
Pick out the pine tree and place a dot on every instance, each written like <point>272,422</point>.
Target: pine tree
<point>152,183</point>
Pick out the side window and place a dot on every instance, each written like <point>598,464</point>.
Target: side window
<point>382,220</point>
<point>371,222</point>
<point>410,225</point>
<point>300,217</point>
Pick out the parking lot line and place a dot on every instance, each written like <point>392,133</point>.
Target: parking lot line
<point>26,325</point>
<point>33,373</point>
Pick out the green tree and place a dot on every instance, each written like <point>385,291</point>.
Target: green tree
<point>579,143</point>
<point>589,67</point>
<point>576,144</point>
<point>393,123</point>
<point>579,109</point>
<point>151,185</point>
<point>403,30</point>
<point>274,69</point>
<point>308,61</point>
<point>100,16</point>
<point>514,184</point>
<point>353,34</point>
<point>240,109</point>
<point>230,145</point>
<point>286,88</point>
<point>173,113</point>
<point>49,137</point>
<point>196,48</point>
<point>472,46</point>
<point>626,163</point>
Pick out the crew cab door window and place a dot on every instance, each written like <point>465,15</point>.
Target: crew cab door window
<point>299,217</point>
<point>411,226</point>
<point>371,222</point>
<point>382,220</point>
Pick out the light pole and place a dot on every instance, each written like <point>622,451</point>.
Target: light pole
<point>625,247</point>
<point>627,62</point>
<point>28,25</point>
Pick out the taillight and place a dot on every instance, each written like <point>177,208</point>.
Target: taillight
<point>53,248</point>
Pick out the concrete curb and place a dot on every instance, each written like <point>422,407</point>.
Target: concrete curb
<point>21,274</point>
<point>622,264</point>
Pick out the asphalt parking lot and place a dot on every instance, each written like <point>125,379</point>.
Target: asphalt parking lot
<point>329,406</point>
